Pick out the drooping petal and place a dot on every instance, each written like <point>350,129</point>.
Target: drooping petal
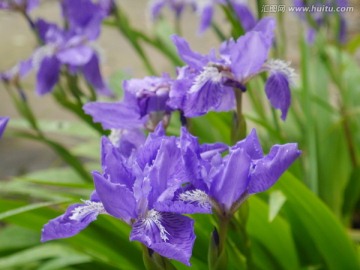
<point>268,169</point>
<point>205,94</point>
<point>114,115</point>
<point>186,200</point>
<point>3,123</point>
<point>170,235</point>
<point>277,90</point>
<point>231,182</point>
<point>47,75</point>
<point>76,218</point>
<point>117,199</point>
<point>92,74</point>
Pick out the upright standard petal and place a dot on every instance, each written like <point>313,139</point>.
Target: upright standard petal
<point>190,57</point>
<point>277,90</point>
<point>47,75</point>
<point>248,55</point>
<point>251,144</point>
<point>117,199</point>
<point>3,124</point>
<point>231,182</point>
<point>268,169</point>
<point>170,235</point>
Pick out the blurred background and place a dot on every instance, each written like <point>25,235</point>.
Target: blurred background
<point>117,54</point>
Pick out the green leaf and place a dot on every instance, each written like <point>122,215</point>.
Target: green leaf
<point>116,82</point>
<point>351,195</point>
<point>14,237</point>
<point>29,207</point>
<point>354,44</point>
<point>271,244</point>
<point>319,236</point>
<point>64,261</point>
<point>34,254</point>
<point>62,127</point>
<point>276,201</point>
<point>212,127</point>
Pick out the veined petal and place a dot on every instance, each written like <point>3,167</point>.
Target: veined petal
<point>76,218</point>
<point>268,170</point>
<point>117,199</point>
<point>205,94</point>
<point>278,92</point>
<point>170,235</point>
<point>47,75</point>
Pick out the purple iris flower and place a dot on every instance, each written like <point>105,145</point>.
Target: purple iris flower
<point>321,11</point>
<point>223,183</point>
<point>128,189</point>
<point>24,6</point>
<point>207,82</point>
<point>3,124</point>
<point>206,11</point>
<point>85,16</point>
<point>65,48</point>
<point>17,72</point>
<point>145,104</point>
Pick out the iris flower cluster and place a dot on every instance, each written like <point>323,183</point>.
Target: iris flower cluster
<point>317,17</point>
<point>207,83</point>
<point>69,48</point>
<point>150,185</point>
<point>151,182</point>
<point>205,10</point>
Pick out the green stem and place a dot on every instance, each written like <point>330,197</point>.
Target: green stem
<point>311,128</point>
<point>221,36</point>
<point>61,98</point>
<point>239,123</point>
<point>260,4</point>
<point>123,25</point>
<point>25,111</point>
